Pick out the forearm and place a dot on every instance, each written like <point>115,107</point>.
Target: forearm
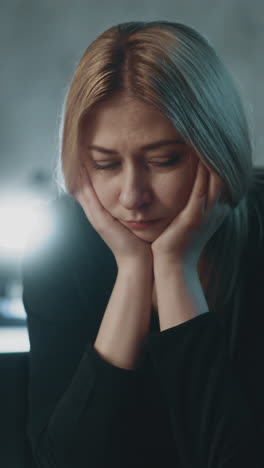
<point>127,317</point>
<point>180,296</point>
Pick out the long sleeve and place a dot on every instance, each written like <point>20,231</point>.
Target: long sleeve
<point>83,411</point>
<point>212,422</point>
<point>93,413</point>
<point>87,421</point>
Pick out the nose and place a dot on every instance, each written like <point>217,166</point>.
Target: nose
<point>135,191</point>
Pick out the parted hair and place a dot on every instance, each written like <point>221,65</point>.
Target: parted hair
<point>174,68</point>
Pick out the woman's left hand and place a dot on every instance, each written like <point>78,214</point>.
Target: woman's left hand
<point>183,240</point>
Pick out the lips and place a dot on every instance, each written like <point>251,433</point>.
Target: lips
<point>141,225</point>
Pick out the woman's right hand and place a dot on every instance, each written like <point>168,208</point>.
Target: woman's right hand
<point>125,245</point>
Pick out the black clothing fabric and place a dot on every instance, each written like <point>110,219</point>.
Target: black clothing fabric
<point>188,403</point>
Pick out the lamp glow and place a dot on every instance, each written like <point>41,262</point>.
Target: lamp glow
<point>19,219</point>
<point>14,340</point>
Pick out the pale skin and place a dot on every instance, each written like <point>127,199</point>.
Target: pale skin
<point>138,188</point>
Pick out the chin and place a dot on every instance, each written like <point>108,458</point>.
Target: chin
<point>147,236</point>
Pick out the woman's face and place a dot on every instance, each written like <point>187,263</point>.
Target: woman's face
<point>136,187</point>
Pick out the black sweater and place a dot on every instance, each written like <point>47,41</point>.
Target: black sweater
<point>189,403</point>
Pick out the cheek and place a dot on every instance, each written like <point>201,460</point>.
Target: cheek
<point>174,198</point>
<point>174,192</point>
<point>104,191</point>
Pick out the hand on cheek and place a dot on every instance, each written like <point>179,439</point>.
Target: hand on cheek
<point>185,237</point>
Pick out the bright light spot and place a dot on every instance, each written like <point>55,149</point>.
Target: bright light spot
<point>24,224</point>
<point>14,340</point>
<point>12,308</point>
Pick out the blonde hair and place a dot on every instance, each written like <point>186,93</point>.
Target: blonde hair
<point>173,67</point>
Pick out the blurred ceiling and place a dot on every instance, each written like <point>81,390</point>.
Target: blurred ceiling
<point>41,42</point>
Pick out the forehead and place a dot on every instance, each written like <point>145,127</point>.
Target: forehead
<point>127,118</point>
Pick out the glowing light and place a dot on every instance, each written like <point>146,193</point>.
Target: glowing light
<point>19,219</point>
<point>14,340</point>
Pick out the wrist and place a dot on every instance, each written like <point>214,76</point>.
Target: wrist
<point>142,264</point>
<point>180,296</point>
<point>177,266</point>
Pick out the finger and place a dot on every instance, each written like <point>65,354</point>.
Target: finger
<point>198,195</point>
<point>214,191</point>
<point>201,181</point>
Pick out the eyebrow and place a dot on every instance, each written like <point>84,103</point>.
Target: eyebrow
<point>151,146</point>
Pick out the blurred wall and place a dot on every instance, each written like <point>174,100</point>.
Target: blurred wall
<point>41,42</point>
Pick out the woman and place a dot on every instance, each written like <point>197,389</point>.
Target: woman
<point>145,339</point>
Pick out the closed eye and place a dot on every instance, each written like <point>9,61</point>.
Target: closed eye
<point>170,162</point>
